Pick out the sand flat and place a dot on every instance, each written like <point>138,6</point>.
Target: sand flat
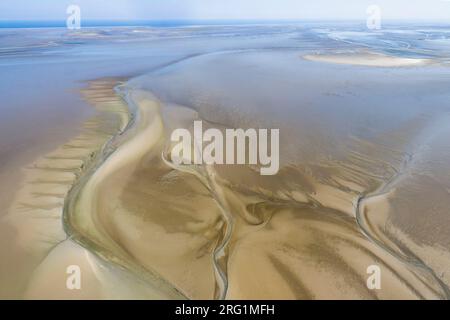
<point>363,173</point>
<point>370,59</point>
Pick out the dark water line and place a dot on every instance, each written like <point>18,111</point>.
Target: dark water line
<point>227,218</point>
<point>110,146</point>
<point>412,259</point>
<point>70,202</point>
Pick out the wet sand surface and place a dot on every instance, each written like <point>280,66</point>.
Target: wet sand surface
<point>301,226</point>
<point>363,174</point>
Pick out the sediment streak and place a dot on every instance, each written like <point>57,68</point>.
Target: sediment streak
<point>124,152</point>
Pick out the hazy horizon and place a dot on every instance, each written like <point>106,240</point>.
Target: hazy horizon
<point>92,23</point>
<point>48,10</point>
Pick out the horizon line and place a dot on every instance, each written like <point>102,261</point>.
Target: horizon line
<point>53,23</point>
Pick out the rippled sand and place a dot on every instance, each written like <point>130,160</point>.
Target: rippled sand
<point>36,213</point>
<point>226,232</point>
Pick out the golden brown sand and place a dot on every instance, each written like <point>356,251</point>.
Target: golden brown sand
<point>140,226</point>
<point>35,218</point>
<point>189,229</point>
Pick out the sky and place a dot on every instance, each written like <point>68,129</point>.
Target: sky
<point>224,9</point>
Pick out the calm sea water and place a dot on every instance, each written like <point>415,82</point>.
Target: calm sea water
<point>123,23</point>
